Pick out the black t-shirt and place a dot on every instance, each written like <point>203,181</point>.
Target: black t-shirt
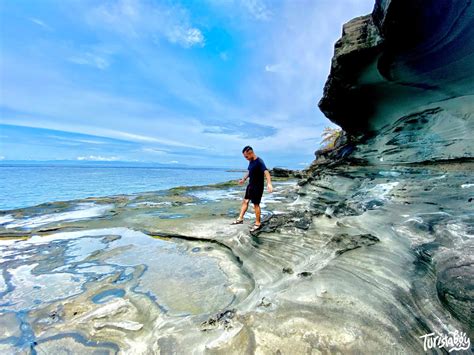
<point>256,172</point>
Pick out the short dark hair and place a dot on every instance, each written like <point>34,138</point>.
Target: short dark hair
<point>246,148</point>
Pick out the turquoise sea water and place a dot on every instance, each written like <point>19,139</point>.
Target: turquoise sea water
<point>29,185</point>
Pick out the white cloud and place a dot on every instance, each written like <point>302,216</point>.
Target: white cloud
<point>295,51</point>
<point>257,9</point>
<point>2,157</point>
<point>271,68</point>
<point>40,23</point>
<point>131,116</point>
<point>301,138</point>
<point>141,19</point>
<point>91,59</point>
<point>80,140</point>
<point>238,10</point>
<point>154,150</point>
<point>186,37</point>
<point>278,68</point>
<point>285,59</point>
<point>90,141</point>
<point>97,158</point>
<point>139,137</point>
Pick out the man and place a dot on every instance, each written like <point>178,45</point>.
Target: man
<point>256,171</point>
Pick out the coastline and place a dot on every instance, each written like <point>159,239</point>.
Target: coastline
<point>174,196</point>
<point>369,250</point>
<point>324,250</point>
<point>33,185</point>
<point>185,230</point>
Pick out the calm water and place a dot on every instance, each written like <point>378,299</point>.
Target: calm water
<point>22,186</point>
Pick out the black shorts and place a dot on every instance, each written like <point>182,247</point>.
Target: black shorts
<point>254,194</point>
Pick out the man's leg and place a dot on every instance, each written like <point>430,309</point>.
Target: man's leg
<point>245,206</point>
<point>256,207</point>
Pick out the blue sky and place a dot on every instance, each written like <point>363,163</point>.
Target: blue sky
<point>178,82</point>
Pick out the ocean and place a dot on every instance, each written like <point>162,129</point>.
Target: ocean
<point>30,185</point>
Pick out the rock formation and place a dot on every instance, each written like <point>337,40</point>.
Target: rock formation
<point>402,79</point>
<point>402,57</point>
<point>369,251</point>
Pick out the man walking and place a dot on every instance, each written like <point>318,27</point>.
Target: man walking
<point>256,172</point>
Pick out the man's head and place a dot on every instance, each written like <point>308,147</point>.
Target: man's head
<point>248,153</point>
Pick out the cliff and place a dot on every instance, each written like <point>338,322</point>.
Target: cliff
<point>367,252</point>
<point>401,85</point>
<point>403,57</point>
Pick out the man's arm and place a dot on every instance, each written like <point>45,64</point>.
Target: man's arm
<point>269,181</point>
<point>241,181</point>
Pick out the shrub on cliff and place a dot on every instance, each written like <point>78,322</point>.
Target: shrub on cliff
<point>330,136</point>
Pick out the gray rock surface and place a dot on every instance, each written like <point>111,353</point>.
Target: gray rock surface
<point>369,251</point>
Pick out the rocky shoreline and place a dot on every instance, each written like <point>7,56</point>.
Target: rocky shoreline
<point>327,249</point>
<point>366,251</point>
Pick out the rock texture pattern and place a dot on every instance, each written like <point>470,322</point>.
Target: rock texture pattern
<point>405,55</point>
<point>402,80</point>
<point>371,249</point>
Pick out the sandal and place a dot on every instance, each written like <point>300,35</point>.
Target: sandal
<point>256,227</point>
<point>238,221</point>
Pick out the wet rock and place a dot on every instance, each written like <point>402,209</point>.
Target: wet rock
<point>56,315</point>
<point>9,325</point>
<point>124,325</point>
<point>221,319</point>
<point>401,83</point>
<point>235,340</point>
<point>298,219</point>
<point>113,307</point>
<point>168,345</point>
<point>455,287</point>
<point>75,342</point>
<point>303,222</point>
<point>44,230</point>
<point>280,172</point>
<point>305,274</point>
<point>286,173</point>
<point>272,224</point>
<point>344,242</point>
<point>264,302</point>
<point>111,238</point>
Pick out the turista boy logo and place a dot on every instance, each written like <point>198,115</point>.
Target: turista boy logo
<point>453,341</point>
